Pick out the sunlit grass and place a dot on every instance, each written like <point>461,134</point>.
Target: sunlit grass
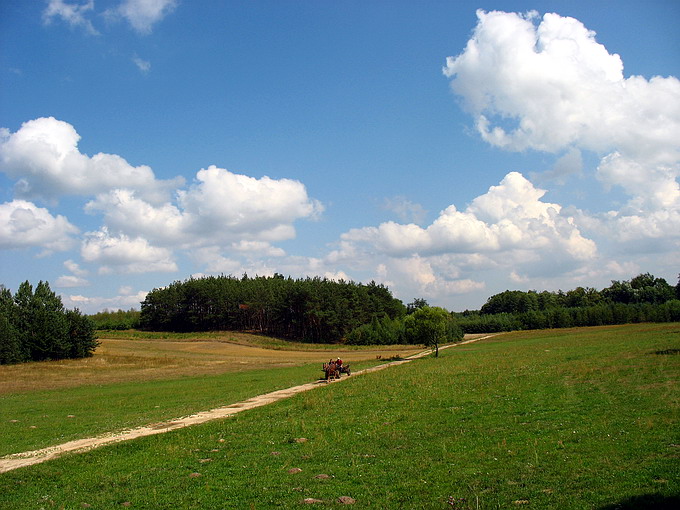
<point>236,337</point>
<point>126,356</point>
<point>569,419</point>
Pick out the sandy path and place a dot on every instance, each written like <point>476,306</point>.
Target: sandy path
<point>17,460</point>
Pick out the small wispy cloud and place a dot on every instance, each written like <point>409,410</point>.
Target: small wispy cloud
<point>143,65</point>
<point>142,14</point>
<point>70,281</point>
<point>570,164</point>
<point>405,209</point>
<point>72,13</point>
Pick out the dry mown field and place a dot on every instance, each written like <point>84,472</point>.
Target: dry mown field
<point>120,359</point>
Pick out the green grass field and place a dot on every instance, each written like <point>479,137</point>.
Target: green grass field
<point>566,419</point>
<point>45,418</point>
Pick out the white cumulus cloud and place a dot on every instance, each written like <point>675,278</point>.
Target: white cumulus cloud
<point>43,157</point>
<point>546,84</point>
<point>434,278</point>
<point>508,231</point>
<point>222,201</point>
<point>25,225</point>
<point>143,217</point>
<point>94,304</point>
<point>76,279</point>
<point>237,211</point>
<point>125,212</point>
<point>123,254</point>
<point>74,268</point>
<point>510,216</point>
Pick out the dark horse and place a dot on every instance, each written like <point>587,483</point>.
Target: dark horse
<point>331,371</point>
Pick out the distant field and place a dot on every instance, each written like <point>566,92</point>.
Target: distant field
<point>137,378</point>
<point>126,356</point>
<point>565,419</point>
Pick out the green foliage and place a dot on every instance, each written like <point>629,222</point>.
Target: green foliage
<point>475,322</point>
<point>116,320</point>
<point>46,330</point>
<point>580,297</point>
<point>642,299</point>
<point>383,331</point>
<point>11,349</point>
<point>82,339</point>
<point>424,326</point>
<point>603,314</point>
<point>311,309</point>
<point>416,304</point>
<point>644,288</point>
<point>511,301</point>
<point>34,326</point>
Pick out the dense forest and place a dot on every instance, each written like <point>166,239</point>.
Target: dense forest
<point>310,309</point>
<point>35,326</point>
<point>321,310</point>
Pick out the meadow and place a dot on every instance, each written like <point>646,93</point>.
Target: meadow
<point>138,378</point>
<point>569,419</point>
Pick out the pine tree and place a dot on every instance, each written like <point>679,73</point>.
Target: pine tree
<point>82,340</point>
<point>10,344</point>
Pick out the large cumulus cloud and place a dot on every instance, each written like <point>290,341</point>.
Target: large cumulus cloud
<point>224,202</point>
<point>44,158</point>
<point>145,220</point>
<point>510,225</point>
<point>220,207</point>
<point>124,254</point>
<point>548,85</point>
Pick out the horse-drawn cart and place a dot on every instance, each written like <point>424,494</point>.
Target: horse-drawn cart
<point>333,370</point>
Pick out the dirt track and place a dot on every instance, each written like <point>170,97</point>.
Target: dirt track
<point>17,460</point>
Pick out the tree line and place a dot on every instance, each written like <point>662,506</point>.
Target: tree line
<point>309,309</point>
<point>35,326</point>
<point>644,298</point>
<point>321,310</point>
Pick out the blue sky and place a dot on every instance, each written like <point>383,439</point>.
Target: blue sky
<point>450,150</point>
